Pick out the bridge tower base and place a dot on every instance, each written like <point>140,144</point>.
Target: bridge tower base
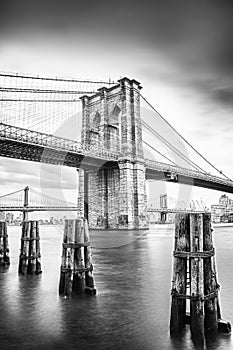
<point>29,259</point>
<point>195,280</point>
<point>114,196</point>
<point>76,267</point>
<point>4,248</point>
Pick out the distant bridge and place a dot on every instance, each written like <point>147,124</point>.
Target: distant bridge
<point>29,200</point>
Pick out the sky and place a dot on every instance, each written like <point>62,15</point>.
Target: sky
<point>180,51</point>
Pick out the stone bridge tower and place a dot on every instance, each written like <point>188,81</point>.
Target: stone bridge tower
<point>112,194</point>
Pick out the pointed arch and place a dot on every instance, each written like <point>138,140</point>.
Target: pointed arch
<point>96,120</point>
<point>115,114</point>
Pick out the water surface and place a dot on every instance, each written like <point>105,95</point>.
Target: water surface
<point>132,307</point>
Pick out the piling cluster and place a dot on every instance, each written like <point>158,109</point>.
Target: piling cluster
<point>29,258</point>
<point>4,248</point>
<point>76,267</point>
<point>194,284</point>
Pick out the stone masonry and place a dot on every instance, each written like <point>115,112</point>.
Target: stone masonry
<point>112,195</point>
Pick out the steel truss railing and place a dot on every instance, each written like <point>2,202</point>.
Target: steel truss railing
<point>176,170</point>
<point>45,140</point>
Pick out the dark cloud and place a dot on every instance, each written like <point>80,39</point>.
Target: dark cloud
<point>224,95</point>
<point>196,34</point>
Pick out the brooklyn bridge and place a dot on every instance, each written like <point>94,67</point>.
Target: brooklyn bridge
<point>113,156</point>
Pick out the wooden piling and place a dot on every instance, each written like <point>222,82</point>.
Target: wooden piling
<point>79,263</point>
<point>38,255</point>
<point>4,247</point>
<point>90,282</point>
<point>76,267</point>
<point>29,259</point>
<point>194,244</point>
<point>66,278</point>
<point>196,280</point>
<point>212,309</point>
<point>178,306</point>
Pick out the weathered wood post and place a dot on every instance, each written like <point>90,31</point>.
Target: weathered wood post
<point>194,262</point>
<point>90,282</point>
<point>4,247</point>
<point>78,257</point>
<point>212,309</point>
<point>179,282</point>
<point>196,279</point>
<point>29,259</point>
<point>76,267</point>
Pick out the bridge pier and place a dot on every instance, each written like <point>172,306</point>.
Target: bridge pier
<point>4,247</point>
<point>195,280</point>
<point>113,196</point>
<point>29,259</point>
<point>76,267</point>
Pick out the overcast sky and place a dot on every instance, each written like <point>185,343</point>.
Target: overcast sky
<point>180,51</point>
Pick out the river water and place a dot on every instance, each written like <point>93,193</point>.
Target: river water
<point>132,307</point>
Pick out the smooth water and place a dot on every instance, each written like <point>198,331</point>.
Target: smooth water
<point>132,307</point>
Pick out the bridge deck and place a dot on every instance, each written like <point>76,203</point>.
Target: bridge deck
<point>30,145</point>
<point>166,172</point>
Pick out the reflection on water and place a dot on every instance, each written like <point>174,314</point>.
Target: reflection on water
<point>132,307</point>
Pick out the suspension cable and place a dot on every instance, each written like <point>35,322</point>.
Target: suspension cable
<point>174,149</point>
<point>37,100</point>
<point>154,149</point>
<point>23,76</point>
<point>183,138</point>
<point>168,144</point>
<point>9,194</point>
<point>45,91</point>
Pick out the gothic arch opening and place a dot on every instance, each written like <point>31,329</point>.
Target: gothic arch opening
<point>115,115</point>
<point>96,120</point>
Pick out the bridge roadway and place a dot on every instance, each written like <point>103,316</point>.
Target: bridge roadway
<point>35,146</point>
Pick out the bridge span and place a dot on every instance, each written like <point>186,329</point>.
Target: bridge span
<point>112,168</point>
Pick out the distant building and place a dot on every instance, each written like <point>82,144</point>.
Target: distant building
<point>222,212</point>
<point>163,201</point>
<point>217,211</point>
<point>225,200</point>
